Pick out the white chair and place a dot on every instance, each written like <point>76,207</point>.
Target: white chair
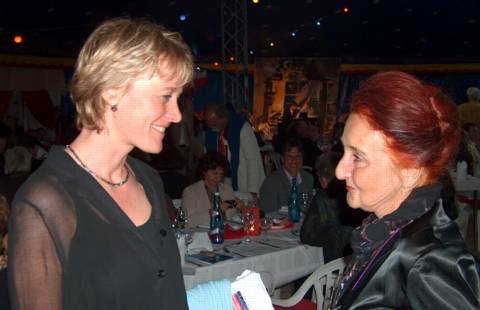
<point>465,213</point>
<point>323,280</point>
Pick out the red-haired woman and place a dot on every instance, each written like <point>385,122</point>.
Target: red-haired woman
<point>408,254</point>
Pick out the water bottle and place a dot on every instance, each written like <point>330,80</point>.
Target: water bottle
<point>293,208</point>
<point>216,221</point>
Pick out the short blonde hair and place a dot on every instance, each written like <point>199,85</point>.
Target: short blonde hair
<point>115,54</point>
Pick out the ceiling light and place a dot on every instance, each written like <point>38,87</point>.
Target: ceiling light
<point>18,39</point>
<point>255,1</point>
<point>272,44</point>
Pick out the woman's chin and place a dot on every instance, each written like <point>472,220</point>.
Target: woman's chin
<point>352,202</point>
<point>152,148</point>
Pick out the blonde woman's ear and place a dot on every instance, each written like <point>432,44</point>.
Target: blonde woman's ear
<point>111,96</point>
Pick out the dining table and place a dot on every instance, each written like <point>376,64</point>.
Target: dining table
<point>277,255</point>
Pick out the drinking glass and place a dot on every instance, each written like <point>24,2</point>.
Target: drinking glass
<point>304,201</point>
<point>248,221</point>
<point>181,219</point>
<point>266,224</point>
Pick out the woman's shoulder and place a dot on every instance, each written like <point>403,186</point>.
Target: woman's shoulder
<point>195,187</point>
<point>226,191</point>
<point>434,233</point>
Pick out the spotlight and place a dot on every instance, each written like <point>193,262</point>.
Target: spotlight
<point>182,17</point>
<point>345,9</point>
<point>293,34</point>
<point>216,64</point>
<point>255,1</point>
<point>232,58</point>
<point>272,44</point>
<point>318,23</point>
<point>251,52</point>
<point>18,39</point>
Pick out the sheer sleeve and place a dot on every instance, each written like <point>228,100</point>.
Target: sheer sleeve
<point>41,228</point>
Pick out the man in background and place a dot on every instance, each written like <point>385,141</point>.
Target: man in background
<point>232,135</point>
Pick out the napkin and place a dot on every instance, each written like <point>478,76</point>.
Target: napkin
<point>200,242</point>
<point>250,284</point>
<point>213,295</point>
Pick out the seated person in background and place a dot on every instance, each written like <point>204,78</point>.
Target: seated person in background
<point>275,190</point>
<point>197,198</point>
<point>18,162</point>
<point>4,212</point>
<point>322,226</point>
<point>471,135</point>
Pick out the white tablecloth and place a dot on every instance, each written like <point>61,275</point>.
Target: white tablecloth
<point>284,265</point>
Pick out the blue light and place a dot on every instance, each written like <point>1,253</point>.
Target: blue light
<point>183,17</point>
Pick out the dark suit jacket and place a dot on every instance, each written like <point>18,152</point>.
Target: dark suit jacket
<point>275,190</point>
<point>424,266</point>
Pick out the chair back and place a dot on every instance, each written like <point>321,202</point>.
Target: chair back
<point>323,280</point>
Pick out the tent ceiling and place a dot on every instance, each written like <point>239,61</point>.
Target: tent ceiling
<point>381,31</point>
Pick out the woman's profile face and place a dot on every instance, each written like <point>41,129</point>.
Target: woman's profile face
<point>373,180</point>
<point>213,176</point>
<point>144,112</point>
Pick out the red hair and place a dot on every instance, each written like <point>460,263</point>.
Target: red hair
<point>420,122</point>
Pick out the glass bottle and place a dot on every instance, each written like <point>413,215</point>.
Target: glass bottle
<point>216,221</point>
<point>293,208</point>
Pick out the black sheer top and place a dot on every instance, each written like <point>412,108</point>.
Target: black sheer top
<point>72,247</point>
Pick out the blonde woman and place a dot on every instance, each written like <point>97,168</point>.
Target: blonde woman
<point>90,228</point>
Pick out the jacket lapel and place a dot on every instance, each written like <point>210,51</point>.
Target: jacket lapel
<point>350,293</point>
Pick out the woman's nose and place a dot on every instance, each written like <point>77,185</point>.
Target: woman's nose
<point>174,113</point>
<point>342,170</point>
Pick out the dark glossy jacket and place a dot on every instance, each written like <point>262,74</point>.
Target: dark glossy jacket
<point>425,266</point>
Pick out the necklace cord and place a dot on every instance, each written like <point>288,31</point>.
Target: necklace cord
<point>85,167</point>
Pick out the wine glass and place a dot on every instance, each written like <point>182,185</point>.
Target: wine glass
<point>181,224</point>
<point>181,219</point>
<point>304,201</point>
<point>266,224</point>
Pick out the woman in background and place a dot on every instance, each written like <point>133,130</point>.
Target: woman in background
<point>408,254</point>
<point>4,213</point>
<point>197,198</point>
<point>89,229</point>
<point>322,226</point>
